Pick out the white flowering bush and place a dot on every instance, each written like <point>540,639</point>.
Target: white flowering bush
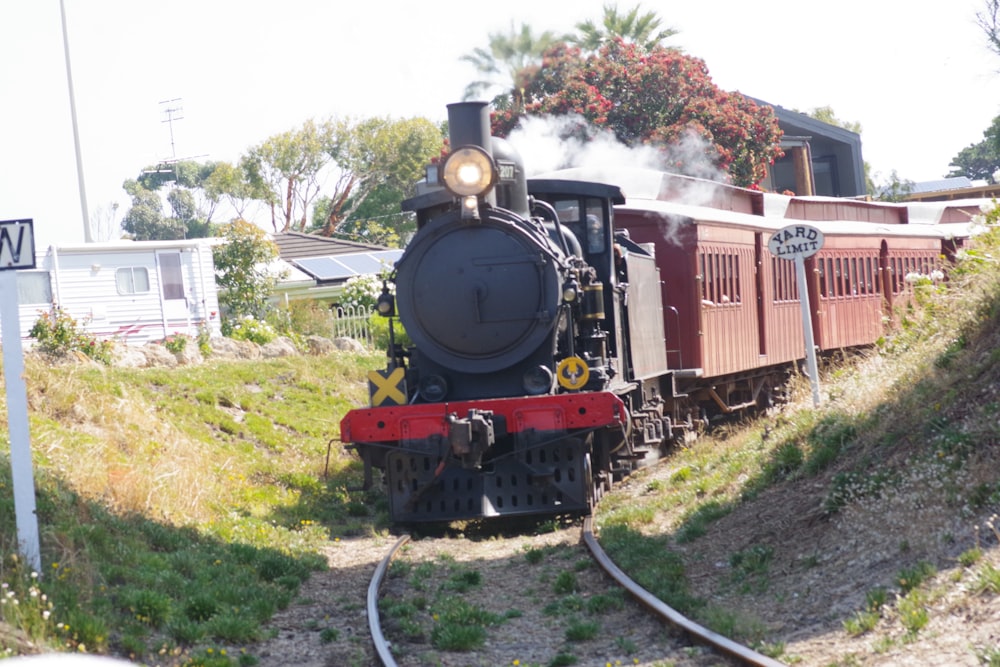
<point>254,330</point>
<point>362,292</point>
<point>360,296</point>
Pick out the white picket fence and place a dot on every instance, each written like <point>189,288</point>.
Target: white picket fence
<point>352,322</point>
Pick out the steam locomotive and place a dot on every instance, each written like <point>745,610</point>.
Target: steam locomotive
<point>562,338</point>
<point>522,393</point>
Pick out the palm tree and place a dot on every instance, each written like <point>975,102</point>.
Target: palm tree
<point>504,63</point>
<point>631,27</point>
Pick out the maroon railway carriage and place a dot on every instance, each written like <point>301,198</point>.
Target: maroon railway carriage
<point>731,310</point>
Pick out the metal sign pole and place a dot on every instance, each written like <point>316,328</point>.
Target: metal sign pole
<point>17,251</point>
<point>807,327</point>
<point>17,422</point>
<point>797,242</point>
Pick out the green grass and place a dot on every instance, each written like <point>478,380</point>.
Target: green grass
<point>183,508</point>
<point>915,420</point>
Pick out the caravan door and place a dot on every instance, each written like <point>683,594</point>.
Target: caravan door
<point>173,294</point>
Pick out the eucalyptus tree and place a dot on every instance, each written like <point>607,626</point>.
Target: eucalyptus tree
<point>507,63</point>
<point>231,183</point>
<point>191,204</point>
<point>378,154</point>
<point>643,30</point>
<point>145,219</point>
<point>285,170</point>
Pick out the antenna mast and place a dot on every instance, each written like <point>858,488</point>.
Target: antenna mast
<point>173,107</point>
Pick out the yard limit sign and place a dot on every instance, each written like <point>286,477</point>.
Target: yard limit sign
<point>796,243</point>
<point>17,251</point>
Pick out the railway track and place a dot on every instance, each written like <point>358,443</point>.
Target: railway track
<point>718,645</point>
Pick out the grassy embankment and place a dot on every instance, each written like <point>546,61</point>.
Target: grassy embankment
<point>178,508</point>
<point>909,427</point>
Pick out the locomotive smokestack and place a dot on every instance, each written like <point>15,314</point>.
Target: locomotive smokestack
<point>469,123</point>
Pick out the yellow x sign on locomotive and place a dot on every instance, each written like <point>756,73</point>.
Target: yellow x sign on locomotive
<point>387,387</point>
<point>572,373</point>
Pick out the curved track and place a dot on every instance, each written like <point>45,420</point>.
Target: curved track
<point>696,632</point>
<point>382,647</point>
<point>723,645</point>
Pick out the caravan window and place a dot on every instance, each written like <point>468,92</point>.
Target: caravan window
<point>132,280</point>
<point>34,287</point>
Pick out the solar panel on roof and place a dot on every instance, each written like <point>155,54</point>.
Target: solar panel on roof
<point>361,264</point>
<point>341,267</point>
<point>323,268</point>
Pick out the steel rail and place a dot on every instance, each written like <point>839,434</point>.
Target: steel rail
<point>382,647</point>
<point>698,632</point>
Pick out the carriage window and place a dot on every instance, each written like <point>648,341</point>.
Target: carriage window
<point>785,286</point>
<point>720,278</point>
<point>132,280</point>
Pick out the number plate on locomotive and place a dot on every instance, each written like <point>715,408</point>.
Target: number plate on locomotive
<point>506,170</point>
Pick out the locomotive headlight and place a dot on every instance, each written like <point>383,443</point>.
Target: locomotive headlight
<point>470,207</point>
<point>386,304</point>
<point>469,171</point>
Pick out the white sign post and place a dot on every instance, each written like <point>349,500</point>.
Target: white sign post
<point>17,251</point>
<point>797,242</point>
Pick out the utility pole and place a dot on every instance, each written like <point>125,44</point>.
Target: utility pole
<point>76,132</point>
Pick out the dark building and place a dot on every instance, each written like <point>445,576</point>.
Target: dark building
<point>820,159</point>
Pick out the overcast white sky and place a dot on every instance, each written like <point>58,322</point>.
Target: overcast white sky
<point>917,76</point>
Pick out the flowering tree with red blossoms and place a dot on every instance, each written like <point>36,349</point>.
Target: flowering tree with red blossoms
<point>658,97</point>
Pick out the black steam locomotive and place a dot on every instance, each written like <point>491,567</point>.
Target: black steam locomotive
<point>531,384</point>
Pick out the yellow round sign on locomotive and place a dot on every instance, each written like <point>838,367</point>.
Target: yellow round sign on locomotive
<point>572,373</point>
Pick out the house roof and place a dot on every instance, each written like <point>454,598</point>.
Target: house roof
<point>295,245</point>
<point>953,183</point>
<point>323,261</point>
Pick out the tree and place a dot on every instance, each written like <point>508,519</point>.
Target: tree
<point>231,183</point>
<point>377,153</point>
<point>631,27</point>
<point>661,98</point>
<point>242,272</point>
<point>982,160</point>
<point>507,64</point>
<point>284,170</point>
<point>103,226</point>
<point>827,115</point>
<point>145,220</point>
<point>378,220</point>
<point>895,189</point>
<point>988,21</point>
<point>351,157</point>
<point>191,204</point>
